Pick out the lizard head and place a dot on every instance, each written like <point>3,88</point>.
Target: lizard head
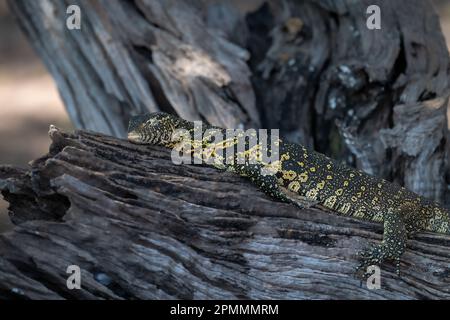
<point>153,128</point>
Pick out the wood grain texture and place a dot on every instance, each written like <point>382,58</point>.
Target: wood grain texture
<point>141,227</point>
<point>131,57</point>
<point>310,68</point>
<point>345,90</point>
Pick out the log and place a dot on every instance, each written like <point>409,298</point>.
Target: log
<point>141,227</point>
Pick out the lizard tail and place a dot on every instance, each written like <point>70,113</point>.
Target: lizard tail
<point>447,223</point>
<point>439,221</point>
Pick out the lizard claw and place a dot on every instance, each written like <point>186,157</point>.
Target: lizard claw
<point>376,254</point>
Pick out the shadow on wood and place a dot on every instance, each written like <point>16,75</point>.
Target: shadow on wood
<point>140,227</point>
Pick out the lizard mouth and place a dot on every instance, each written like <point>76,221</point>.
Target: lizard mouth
<point>134,137</point>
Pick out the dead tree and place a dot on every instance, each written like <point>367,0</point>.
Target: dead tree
<point>375,99</point>
<point>140,227</point>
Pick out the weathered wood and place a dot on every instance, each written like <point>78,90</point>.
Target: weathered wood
<point>345,90</point>
<point>145,228</point>
<point>141,227</point>
<point>131,57</point>
<point>316,71</point>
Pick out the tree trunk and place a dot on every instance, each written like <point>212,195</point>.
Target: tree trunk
<point>139,226</point>
<point>376,99</point>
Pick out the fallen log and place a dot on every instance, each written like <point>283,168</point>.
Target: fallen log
<point>140,227</point>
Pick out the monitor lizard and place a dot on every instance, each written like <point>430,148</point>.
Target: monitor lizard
<point>307,178</point>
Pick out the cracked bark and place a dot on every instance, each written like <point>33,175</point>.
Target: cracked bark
<point>141,227</point>
<point>376,100</point>
<point>309,68</point>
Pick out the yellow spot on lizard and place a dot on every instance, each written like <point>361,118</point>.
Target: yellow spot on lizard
<point>303,177</point>
<point>294,186</point>
<point>330,202</point>
<point>359,213</point>
<point>289,175</point>
<point>345,208</point>
<point>378,217</point>
<point>321,185</point>
<point>312,194</point>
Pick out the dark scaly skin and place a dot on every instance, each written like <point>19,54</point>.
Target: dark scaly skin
<point>308,178</point>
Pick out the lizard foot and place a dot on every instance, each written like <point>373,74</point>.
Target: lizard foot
<point>392,246</point>
<point>376,254</point>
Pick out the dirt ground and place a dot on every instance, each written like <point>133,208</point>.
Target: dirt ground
<point>29,101</point>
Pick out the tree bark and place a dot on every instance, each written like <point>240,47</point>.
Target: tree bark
<point>310,68</point>
<point>140,227</point>
<point>376,99</point>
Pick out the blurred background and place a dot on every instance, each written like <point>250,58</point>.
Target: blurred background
<point>29,101</point>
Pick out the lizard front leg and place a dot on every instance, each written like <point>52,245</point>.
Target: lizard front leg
<point>269,184</point>
<point>391,247</point>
